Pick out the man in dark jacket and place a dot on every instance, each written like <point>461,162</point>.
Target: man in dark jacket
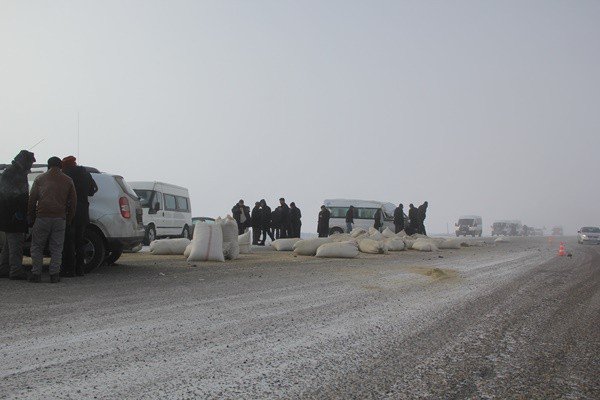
<point>74,248</point>
<point>256,217</point>
<point>285,219</point>
<point>399,218</point>
<point>323,223</point>
<point>413,220</point>
<point>377,218</point>
<point>14,196</point>
<point>295,220</point>
<point>266,222</point>
<point>349,219</point>
<point>241,214</point>
<point>276,222</point>
<point>422,212</point>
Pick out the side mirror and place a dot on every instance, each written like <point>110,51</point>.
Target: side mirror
<point>578,231</point>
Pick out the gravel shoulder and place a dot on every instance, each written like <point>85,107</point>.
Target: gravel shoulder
<point>491,321</point>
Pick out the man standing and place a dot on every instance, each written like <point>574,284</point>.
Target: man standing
<point>266,222</point>
<point>323,223</point>
<point>52,206</point>
<point>85,186</point>
<point>422,210</point>
<point>295,220</point>
<point>377,218</point>
<point>285,219</point>
<point>413,220</point>
<point>256,217</point>
<point>241,214</point>
<point>14,195</point>
<point>349,219</point>
<point>399,218</point>
<point>276,222</point>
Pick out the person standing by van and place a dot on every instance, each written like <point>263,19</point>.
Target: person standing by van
<point>74,247</point>
<point>323,222</point>
<point>285,219</point>
<point>422,213</point>
<point>399,218</point>
<point>51,205</point>
<point>295,220</point>
<point>241,214</point>
<point>377,218</point>
<point>413,220</point>
<point>14,196</point>
<point>349,219</point>
<point>256,217</point>
<point>276,222</point>
<point>266,222</point>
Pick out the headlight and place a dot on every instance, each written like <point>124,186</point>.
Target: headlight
<point>583,236</point>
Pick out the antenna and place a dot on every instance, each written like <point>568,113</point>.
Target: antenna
<point>32,147</point>
<point>78,136</point>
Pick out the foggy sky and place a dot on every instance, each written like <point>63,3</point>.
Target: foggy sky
<point>479,107</point>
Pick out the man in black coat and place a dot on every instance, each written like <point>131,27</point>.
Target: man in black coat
<point>295,220</point>
<point>74,247</point>
<point>422,212</point>
<point>399,218</point>
<point>349,219</point>
<point>285,219</point>
<point>413,220</point>
<point>276,222</point>
<point>241,214</point>
<point>256,217</point>
<point>266,222</point>
<point>323,223</point>
<point>377,218</point>
<point>14,196</point>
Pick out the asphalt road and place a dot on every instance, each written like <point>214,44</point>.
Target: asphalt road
<point>494,321</point>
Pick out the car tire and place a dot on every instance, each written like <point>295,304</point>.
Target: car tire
<point>150,235</point>
<point>186,232</point>
<point>95,250</point>
<point>113,256</point>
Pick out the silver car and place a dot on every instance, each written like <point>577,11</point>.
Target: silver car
<point>588,234</point>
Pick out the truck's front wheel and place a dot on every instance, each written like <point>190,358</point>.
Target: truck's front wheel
<point>95,250</point>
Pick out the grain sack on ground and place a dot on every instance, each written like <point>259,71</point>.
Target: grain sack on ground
<point>207,244</point>
<point>375,234</point>
<point>244,242</point>
<point>338,250</point>
<point>402,234</point>
<point>395,244</point>
<point>188,250</point>
<point>340,237</point>
<point>423,244</point>
<point>408,242</point>
<point>284,244</point>
<point>388,233</point>
<point>229,228</point>
<point>450,244</point>
<point>356,232</point>
<point>169,246</point>
<point>308,247</point>
<point>371,246</point>
<point>501,239</point>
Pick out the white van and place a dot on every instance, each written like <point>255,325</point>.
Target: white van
<point>167,210</point>
<point>471,225</point>
<point>364,214</point>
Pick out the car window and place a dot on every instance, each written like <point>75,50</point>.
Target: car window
<point>366,213</point>
<point>145,196</point>
<point>182,203</point>
<point>125,186</point>
<point>590,230</point>
<point>157,201</point>
<point>170,202</point>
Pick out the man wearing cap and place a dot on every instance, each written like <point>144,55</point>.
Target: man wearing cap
<point>85,186</point>
<point>14,195</point>
<point>51,205</point>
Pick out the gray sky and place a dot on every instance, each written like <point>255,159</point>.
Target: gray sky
<point>480,107</point>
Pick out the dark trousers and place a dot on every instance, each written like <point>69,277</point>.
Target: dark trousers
<point>284,231</point>
<point>276,232</point>
<point>295,229</point>
<point>399,227</point>
<point>255,235</point>
<point>265,232</point>
<point>421,229</point>
<point>74,249</point>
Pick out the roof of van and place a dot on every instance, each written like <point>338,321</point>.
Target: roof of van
<point>469,217</point>
<point>152,184</point>
<point>388,207</point>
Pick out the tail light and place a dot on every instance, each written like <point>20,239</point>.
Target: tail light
<point>124,206</point>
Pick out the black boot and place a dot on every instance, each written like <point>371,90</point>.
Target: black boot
<point>54,278</point>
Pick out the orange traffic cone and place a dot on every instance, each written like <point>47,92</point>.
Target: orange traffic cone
<point>561,250</point>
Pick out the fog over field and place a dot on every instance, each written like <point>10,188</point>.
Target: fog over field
<point>488,108</point>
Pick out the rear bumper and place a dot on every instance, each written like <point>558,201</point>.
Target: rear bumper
<point>124,243</point>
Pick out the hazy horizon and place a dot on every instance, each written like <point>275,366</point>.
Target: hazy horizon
<point>479,108</point>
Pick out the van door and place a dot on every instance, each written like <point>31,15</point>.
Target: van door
<point>171,222</point>
<point>159,218</point>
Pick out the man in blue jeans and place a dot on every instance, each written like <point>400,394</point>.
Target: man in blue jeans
<point>349,219</point>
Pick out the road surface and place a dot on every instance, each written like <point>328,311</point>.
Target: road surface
<point>510,320</point>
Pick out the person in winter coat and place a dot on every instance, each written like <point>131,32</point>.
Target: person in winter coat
<point>295,220</point>
<point>266,222</point>
<point>323,222</point>
<point>349,219</point>
<point>377,218</point>
<point>276,222</point>
<point>14,196</point>
<point>52,203</point>
<point>399,218</point>
<point>241,214</point>
<point>85,187</point>
<point>256,217</point>
<point>413,220</point>
<point>285,219</point>
<point>422,212</point>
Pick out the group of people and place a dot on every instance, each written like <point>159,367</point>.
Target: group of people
<point>57,210</point>
<point>282,222</point>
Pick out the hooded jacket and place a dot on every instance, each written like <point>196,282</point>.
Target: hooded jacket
<point>14,194</point>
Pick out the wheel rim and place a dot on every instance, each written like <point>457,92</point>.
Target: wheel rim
<point>89,252</point>
<point>151,235</point>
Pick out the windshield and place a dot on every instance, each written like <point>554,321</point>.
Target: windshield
<point>499,224</point>
<point>145,197</point>
<point>590,230</point>
<point>468,222</point>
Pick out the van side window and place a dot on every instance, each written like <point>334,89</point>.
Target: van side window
<point>170,203</point>
<point>366,213</point>
<point>157,203</point>
<point>182,204</point>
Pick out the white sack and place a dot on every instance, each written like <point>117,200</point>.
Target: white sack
<point>308,247</point>
<point>375,234</point>
<point>169,246</point>
<point>356,232</point>
<point>230,235</point>
<point>408,242</point>
<point>284,244</point>
<point>395,244</point>
<point>207,244</point>
<point>340,237</point>
<point>388,233</point>
<point>501,239</point>
<point>371,246</point>
<point>402,234</point>
<point>450,244</point>
<point>422,244</point>
<point>188,250</point>
<point>244,242</point>
<point>337,250</point>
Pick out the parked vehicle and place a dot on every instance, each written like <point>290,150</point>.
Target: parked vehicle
<point>557,231</point>
<point>115,218</point>
<point>166,210</point>
<point>588,234</point>
<point>507,228</point>
<point>469,225</point>
<point>364,214</point>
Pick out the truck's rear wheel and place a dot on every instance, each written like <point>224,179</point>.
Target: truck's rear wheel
<point>186,232</point>
<point>95,250</point>
<point>150,235</point>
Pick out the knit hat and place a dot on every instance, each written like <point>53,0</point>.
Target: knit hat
<point>69,161</point>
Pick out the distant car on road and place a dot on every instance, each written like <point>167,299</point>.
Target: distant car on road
<point>588,234</point>
<point>557,231</point>
<point>470,225</point>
